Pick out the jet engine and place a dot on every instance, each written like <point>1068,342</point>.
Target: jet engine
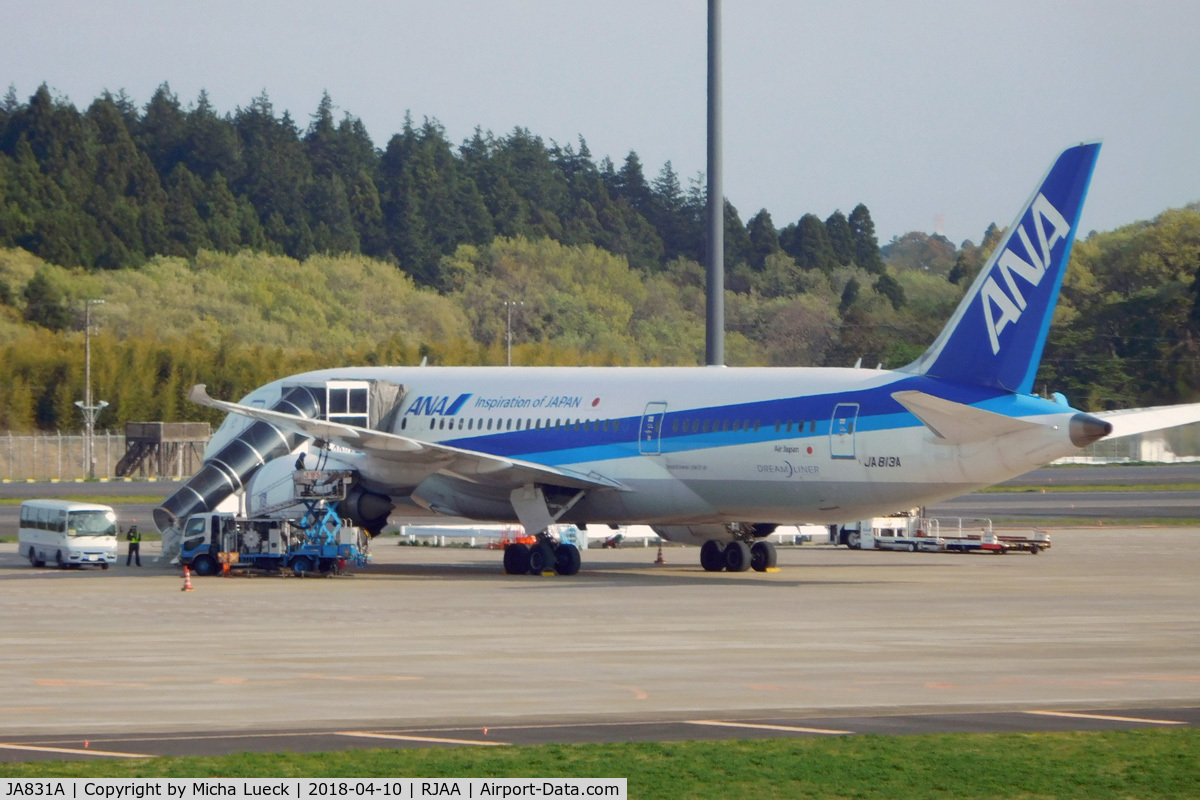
<point>272,487</point>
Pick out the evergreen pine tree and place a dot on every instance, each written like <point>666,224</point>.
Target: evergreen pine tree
<point>841,238</point>
<point>866,246</point>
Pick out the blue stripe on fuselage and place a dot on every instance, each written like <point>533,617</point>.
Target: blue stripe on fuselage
<point>877,411</point>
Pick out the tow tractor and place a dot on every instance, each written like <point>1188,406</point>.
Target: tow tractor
<point>319,541</point>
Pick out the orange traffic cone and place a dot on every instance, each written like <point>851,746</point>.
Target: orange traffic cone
<point>187,580</point>
<point>660,560</point>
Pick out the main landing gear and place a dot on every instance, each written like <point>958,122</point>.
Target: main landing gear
<point>737,556</point>
<point>545,556</point>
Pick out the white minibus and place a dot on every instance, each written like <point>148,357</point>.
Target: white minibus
<point>67,533</point>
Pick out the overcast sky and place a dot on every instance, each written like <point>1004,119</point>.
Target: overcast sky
<point>917,109</point>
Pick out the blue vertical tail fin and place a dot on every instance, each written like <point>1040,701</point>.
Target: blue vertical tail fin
<point>998,331</point>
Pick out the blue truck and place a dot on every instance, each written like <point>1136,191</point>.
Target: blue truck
<point>316,541</point>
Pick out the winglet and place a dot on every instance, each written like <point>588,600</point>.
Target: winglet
<point>998,331</point>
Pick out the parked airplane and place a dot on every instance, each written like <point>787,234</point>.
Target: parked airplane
<point>707,455</point>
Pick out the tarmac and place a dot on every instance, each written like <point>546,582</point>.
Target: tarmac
<point>430,646</point>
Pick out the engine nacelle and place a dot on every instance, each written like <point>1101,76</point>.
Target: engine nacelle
<point>273,487</point>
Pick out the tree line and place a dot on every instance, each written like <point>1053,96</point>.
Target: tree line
<point>235,249</point>
<point>117,184</point>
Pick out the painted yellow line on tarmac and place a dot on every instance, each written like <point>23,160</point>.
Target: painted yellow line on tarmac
<point>433,739</point>
<point>787,728</point>
<point>1107,717</point>
<point>73,751</point>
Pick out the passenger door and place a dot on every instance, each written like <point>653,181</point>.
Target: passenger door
<point>841,430</point>
<point>650,431</point>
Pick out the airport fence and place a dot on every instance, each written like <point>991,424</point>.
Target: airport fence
<point>58,456</point>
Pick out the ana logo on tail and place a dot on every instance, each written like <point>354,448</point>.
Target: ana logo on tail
<point>1009,305</point>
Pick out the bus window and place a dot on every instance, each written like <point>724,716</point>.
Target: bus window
<point>92,523</point>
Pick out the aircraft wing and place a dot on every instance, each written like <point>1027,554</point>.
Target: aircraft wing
<point>1129,421</point>
<point>957,423</point>
<point>470,465</point>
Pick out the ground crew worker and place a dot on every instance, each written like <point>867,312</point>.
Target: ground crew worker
<point>134,537</point>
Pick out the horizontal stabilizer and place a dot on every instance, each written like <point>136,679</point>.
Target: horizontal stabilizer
<point>956,423</point>
<point>1129,421</point>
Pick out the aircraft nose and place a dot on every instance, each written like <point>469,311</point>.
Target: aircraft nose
<point>1086,429</point>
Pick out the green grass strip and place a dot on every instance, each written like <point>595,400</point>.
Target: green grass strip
<point>101,499</point>
<point>1122,764</point>
<point>1094,487</point>
<point>1006,525</point>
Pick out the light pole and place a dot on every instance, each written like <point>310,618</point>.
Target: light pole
<point>90,412</point>
<point>508,307</point>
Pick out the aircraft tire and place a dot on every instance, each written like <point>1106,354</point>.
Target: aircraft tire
<point>712,556</point>
<point>204,565</point>
<point>737,556</point>
<point>567,560</point>
<point>763,556</point>
<point>541,558</point>
<point>516,559</point>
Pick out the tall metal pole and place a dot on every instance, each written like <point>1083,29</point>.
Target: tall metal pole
<point>715,318</point>
<point>89,462</point>
<point>89,410</point>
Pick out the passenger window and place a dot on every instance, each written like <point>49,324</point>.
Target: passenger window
<point>675,426</point>
<point>778,424</point>
<point>725,427</point>
<point>403,423</point>
<point>616,424</point>
<point>812,426</point>
<point>489,425</point>
<point>705,426</point>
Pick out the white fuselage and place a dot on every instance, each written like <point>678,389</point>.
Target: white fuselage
<point>690,445</point>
